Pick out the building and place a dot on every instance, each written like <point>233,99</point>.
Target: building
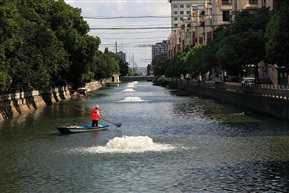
<point>160,48</point>
<point>181,9</point>
<point>223,11</point>
<point>182,23</point>
<point>193,22</point>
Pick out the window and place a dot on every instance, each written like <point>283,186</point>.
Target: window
<point>225,2</point>
<point>175,19</point>
<point>181,6</point>
<point>188,12</point>
<point>175,13</point>
<point>188,6</point>
<point>175,6</point>
<point>226,15</point>
<point>181,13</point>
<point>253,1</point>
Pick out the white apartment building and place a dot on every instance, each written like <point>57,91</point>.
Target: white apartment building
<point>188,25</point>
<point>181,9</point>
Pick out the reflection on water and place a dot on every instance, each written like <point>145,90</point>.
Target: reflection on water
<point>168,142</point>
<point>244,177</point>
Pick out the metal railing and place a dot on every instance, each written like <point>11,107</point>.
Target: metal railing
<point>275,91</point>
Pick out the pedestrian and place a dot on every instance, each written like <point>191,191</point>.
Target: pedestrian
<point>95,116</point>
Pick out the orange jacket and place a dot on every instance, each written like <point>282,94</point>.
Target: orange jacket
<point>95,114</point>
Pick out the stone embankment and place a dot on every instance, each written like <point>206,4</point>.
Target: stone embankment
<point>15,104</point>
<point>270,100</point>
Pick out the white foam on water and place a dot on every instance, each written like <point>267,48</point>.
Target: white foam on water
<point>131,99</point>
<point>130,144</point>
<point>131,84</point>
<point>128,90</point>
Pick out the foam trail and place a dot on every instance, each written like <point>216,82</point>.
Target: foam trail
<point>131,85</point>
<point>132,99</point>
<point>128,90</point>
<point>130,144</point>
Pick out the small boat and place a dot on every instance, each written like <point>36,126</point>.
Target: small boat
<point>79,128</point>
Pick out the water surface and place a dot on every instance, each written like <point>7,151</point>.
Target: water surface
<point>168,142</point>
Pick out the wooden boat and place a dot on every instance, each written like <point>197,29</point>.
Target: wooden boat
<point>79,128</point>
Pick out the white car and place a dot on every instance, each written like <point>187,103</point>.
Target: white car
<point>248,81</point>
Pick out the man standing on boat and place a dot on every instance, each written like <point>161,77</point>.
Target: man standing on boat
<point>95,116</point>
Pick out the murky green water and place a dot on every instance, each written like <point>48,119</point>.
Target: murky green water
<point>167,143</point>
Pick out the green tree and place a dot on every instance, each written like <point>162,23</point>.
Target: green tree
<point>107,64</point>
<point>123,67</point>
<point>243,43</point>
<point>44,42</point>
<point>9,41</point>
<point>71,30</point>
<point>277,46</point>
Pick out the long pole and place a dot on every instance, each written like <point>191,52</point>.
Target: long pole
<point>116,47</point>
<point>116,124</point>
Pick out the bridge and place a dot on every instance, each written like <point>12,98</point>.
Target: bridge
<point>136,78</point>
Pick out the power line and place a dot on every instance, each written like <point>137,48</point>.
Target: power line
<point>141,32</point>
<point>127,28</point>
<point>142,28</point>
<point>128,17</point>
<point>130,38</point>
<point>114,1</point>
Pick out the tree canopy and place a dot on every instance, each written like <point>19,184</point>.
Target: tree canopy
<point>45,42</point>
<point>277,34</point>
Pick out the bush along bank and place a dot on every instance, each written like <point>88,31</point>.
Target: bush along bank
<point>165,82</point>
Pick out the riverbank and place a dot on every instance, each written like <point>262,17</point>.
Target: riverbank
<point>15,104</point>
<point>269,100</point>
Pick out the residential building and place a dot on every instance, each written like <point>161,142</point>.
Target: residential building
<point>193,22</point>
<point>186,27</point>
<point>160,48</point>
<point>181,9</point>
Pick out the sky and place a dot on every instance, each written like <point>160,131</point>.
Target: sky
<point>153,15</point>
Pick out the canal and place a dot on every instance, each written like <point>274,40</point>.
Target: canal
<point>168,142</point>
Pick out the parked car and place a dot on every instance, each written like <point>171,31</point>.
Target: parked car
<point>265,80</point>
<point>248,81</point>
<point>251,81</point>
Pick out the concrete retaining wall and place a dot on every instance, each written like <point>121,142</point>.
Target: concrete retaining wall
<point>270,106</point>
<point>15,104</point>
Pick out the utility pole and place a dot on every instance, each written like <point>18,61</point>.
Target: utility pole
<point>133,63</point>
<point>116,47</point>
